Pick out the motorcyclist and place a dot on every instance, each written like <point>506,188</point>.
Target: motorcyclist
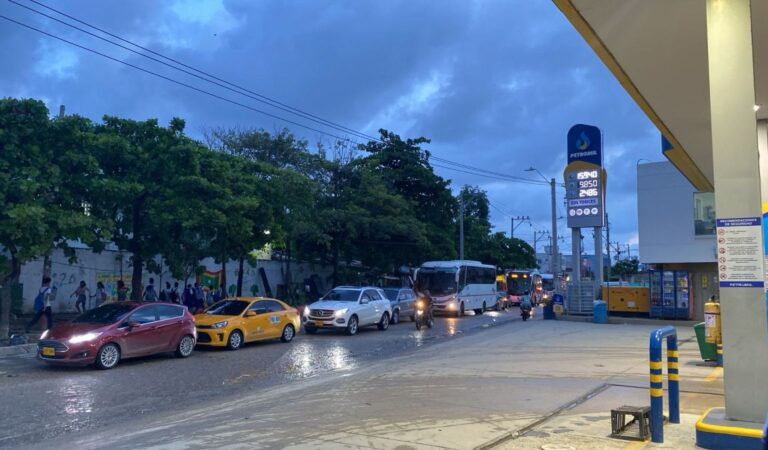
<point>525,303</point>
<point>426,298</point>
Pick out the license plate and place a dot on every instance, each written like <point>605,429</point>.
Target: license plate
<point>49,351</point>
<point>319,324</point>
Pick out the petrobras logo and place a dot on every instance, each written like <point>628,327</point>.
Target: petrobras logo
<point>582,143</point>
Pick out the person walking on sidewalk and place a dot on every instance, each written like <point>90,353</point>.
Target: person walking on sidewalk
<point>173,295</point>
<point>101,294</point>
<point>150,294</point>
<point>122,291</point>
<point>81,293</point>
<point>43,303</point>
<point>199,303</point>
<point>165,292</point>
<point>189,298</point>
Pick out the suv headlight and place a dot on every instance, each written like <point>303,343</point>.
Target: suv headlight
<point>307,312</point>
<point>341,312</point>
<point>218,325</point>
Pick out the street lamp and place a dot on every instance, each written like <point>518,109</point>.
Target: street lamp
<point>554,263</point>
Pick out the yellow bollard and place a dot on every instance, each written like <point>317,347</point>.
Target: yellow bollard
<point>712,322</point>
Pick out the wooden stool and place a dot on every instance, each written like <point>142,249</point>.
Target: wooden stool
<point>640,414</point>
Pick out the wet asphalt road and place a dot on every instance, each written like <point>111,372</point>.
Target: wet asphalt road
<point>39,402</point>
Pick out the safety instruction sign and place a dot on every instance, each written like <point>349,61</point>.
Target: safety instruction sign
<point>740,252</point>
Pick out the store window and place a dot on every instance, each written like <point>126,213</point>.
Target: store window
<point>704,213</point>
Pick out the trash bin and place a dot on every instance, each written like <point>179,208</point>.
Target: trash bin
<point>708,351</point>
<point>599,312</point>
<point>549,311</point>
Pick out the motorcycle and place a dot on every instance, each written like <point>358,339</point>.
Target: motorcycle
<point>525,312</point>
<point>424,314</point>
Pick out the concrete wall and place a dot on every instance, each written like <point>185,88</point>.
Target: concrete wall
<point>665,211</point>
<point>93,267</point>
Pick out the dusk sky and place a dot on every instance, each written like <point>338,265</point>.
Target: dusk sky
<point>495,84</point>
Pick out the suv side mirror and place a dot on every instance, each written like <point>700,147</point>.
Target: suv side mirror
<point>363,301</point>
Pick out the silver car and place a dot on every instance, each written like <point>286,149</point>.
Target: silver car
<point>403,302</point>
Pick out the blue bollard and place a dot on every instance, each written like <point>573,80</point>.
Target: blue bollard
<point>657,381</point>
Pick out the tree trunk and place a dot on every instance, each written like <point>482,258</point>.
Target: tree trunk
<point>289,288</point>
<point>223,278</point>
<point>47,264</point>
<point>9,281</point>
<point>240,276</point>
<point>136,283</point>
<point>335,262</point>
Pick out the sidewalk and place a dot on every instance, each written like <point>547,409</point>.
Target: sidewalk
<point>524,386</point>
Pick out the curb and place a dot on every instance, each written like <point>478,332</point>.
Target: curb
<point>15,350</point>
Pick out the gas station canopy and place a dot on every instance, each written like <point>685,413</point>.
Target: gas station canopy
<point>657,49</point>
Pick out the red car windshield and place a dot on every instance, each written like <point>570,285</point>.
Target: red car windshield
<point>105,314</point>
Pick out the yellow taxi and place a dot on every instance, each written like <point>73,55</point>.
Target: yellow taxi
<point>233,322</point>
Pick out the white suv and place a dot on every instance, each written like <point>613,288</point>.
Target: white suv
<point>348,308</point>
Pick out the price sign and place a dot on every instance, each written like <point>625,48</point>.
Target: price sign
<point>584,178</point>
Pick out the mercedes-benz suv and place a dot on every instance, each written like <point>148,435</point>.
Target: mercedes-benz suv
<point>348,308</point>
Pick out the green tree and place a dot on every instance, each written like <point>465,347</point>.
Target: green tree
<point>152,185</point>
<point>41,203</point>
<point>626,267</point>
<point>404,166</point>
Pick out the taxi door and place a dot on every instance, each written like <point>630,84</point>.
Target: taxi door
<point>256,321</point>
<point>277,318</point>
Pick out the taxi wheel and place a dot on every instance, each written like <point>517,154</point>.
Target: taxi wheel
<point>288,333</point>
<point>108,356</point>
<point>185,347</point>
<point>235,340</point>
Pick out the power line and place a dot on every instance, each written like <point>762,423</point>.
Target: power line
<point>189,86</point>
<point>210,78</point>
<point>226,85</point>
<point>497,174</point>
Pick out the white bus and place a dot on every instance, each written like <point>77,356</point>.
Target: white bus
<point>458,286</point>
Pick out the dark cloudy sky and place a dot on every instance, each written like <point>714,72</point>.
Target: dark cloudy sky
<point>494,84</point>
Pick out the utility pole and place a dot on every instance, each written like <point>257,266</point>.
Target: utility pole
<point>537,236</point>
<point>461,227</point>
<point>521,219</point>
<point>608,247</point>
<point>553,260</point>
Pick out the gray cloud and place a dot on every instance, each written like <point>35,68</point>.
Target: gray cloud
<point>495,84</point>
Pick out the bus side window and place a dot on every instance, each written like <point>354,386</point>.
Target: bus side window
<point>462,279</point>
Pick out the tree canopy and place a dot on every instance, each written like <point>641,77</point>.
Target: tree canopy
<point>171,200</point>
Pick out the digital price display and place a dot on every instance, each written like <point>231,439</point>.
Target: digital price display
<point>584,192</point>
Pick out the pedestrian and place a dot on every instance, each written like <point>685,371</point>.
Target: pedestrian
<point>165,292</point>
<point>208,295</point>
<point>122,291</point>
<point>189,298</point>
<point>173,296</point>
<point>101,294</point>
<point>81,293</point>
<point>218,294</point>
<point>150,294</point>
<point>42,305</point>
<point>199,298</point>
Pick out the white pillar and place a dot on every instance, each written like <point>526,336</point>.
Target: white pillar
<point>737,194</point>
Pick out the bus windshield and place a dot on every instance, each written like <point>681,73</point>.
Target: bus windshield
<point>518,283</point>
<point>436,281</point>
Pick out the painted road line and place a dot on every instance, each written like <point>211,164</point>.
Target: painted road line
<point>716,373</point>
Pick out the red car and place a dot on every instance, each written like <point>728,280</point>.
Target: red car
<point>105,335</point>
